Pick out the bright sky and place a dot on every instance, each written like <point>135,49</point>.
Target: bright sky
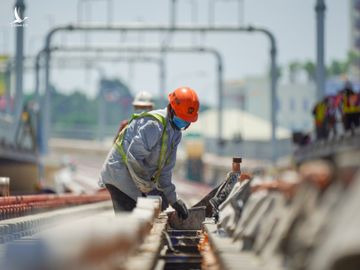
<point>292,22</point>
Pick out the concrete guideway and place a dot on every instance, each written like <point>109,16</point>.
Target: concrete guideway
<point>86,237</point>
<point>305,220</point>
<point>343,144</point>
<point>16,228</point>
<point>19,206</point>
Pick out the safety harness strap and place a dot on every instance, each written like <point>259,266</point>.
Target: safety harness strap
<point>164,139</point>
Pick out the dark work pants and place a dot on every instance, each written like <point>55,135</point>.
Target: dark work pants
<point>351,121</point>
<point>121,201</point>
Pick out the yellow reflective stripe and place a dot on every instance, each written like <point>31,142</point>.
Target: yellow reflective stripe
<point>158,117</point>
<point>350,106</point>
<point>164,139</point>
<point>320,112</point>
<point>118,144</point>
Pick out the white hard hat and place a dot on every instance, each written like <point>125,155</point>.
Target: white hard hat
<point>143,99</point>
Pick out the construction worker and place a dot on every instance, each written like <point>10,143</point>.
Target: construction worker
<point>319,113</point>
<point>143,102</point>
<point>144,154</point>
<point>350,108</point>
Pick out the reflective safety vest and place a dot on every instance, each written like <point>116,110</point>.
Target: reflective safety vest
<point>351,104</point>
<point>164,140</point>
<point>320,113</point>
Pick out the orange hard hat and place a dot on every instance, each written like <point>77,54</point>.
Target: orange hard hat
<point>185,103</point>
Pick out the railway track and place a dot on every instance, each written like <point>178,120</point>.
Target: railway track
<point>90,236</point>
<point>294,222</point>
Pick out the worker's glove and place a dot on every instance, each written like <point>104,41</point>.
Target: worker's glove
<point>181,209</point>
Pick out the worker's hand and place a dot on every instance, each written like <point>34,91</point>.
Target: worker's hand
<point>181,209</point>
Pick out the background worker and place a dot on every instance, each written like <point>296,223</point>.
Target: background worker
<point>143,102</point>
<point>144,154</point>
<point>319,113</point>
<point>350,108</point>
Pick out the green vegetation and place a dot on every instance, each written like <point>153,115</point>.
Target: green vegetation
<point>73,109</point>
<point>334,69</point>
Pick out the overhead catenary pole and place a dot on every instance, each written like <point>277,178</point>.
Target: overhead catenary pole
<point>8,74</point>
<point>39,125</point>
<point>220,72</point>
<point>19,58</point>
<point>20,7</point>
<point>189,29</point>
<point>273,94</point>
<point>45,127</point>
<point>116,59</point>
<point>46,112</point>
<point>137,49</point>
<point>320,9</point>
<point>219,69</point>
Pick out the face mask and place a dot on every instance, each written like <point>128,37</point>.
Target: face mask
<point>139,111</point>
<point>179,123</point>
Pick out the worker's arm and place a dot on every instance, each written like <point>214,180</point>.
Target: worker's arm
<point>140,147</point>
<point>121,127</point>
<point>165,180</point>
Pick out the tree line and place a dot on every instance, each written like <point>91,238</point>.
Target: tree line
<point>334,69</point>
